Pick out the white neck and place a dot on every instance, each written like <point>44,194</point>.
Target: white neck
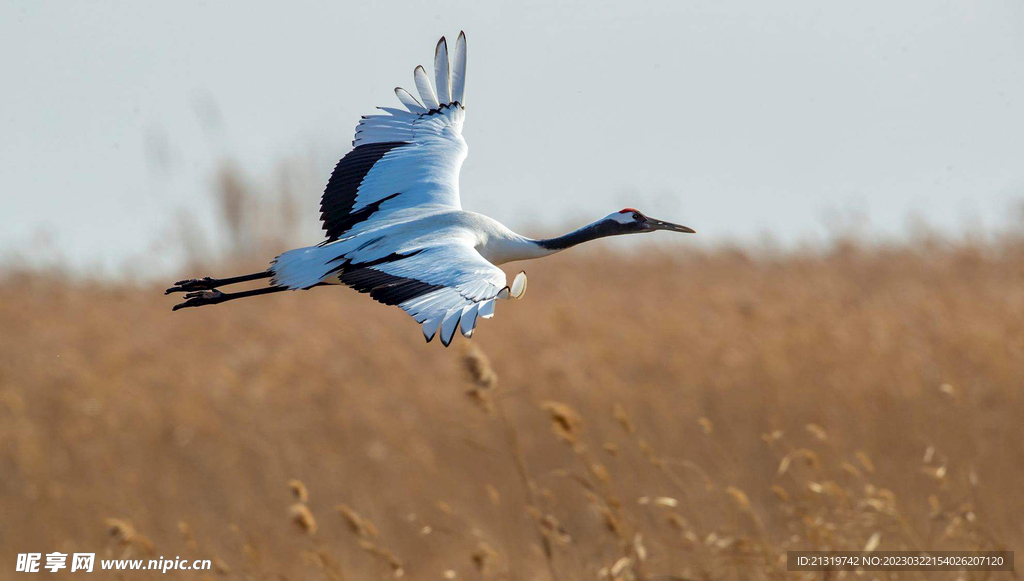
<point>502,249</point>
<point>503,245</point>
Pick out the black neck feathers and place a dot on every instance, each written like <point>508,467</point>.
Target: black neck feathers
<point>585,234</point>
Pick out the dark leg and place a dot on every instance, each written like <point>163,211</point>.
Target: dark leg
<point>213,296</point>
<point>207,283</point>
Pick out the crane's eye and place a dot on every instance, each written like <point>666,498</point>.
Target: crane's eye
<point>636,215</point>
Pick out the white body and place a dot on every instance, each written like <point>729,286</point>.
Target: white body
<point>456,249</point>
<point>495,243</point>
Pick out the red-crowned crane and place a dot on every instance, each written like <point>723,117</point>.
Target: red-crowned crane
<point>395,225</point>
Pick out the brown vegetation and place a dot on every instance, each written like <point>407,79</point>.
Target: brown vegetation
<point>694,414</point>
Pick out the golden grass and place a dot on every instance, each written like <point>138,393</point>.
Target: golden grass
<point>691,415</point>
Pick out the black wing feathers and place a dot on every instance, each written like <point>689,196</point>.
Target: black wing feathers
<point>386,288</point>
<point>383,287</point>
<point>340,194</point>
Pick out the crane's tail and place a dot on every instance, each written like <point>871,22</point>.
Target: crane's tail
<point>302,268</point>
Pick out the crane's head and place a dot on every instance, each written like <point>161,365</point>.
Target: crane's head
<point>625,221</point>
<point>632,221</point>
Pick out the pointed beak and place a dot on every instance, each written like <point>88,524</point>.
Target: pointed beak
<point>662,225</point>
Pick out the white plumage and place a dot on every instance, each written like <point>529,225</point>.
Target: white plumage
<point>395,225</point>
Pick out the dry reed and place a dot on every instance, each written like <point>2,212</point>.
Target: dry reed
<point>858,398</point>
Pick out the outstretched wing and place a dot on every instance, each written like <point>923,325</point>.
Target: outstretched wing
<point>406,162</point>
<point>444,287</point>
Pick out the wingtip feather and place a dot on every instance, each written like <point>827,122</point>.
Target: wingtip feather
<point>447,340</point>
<point>458,72</point>
<point>427,94</point>
<point>487,309</point>
<point>430,328</point>
<point>468,322</point>
<point>410,101</point>
<point>449,325</point>
<point>442,76</point>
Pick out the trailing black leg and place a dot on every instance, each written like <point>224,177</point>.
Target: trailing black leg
<point>213,296</point>
<point>208,283</point>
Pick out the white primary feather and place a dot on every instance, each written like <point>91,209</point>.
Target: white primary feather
<point>487,309</point>
<point>448,326</point>
<point>430,328</point>
<point>409,101</point>
<point>427,94</point>
<point>459,70</point>
<point>441,78</point>
<point>468,322</point>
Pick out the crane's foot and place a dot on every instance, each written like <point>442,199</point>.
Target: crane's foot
<point>518,288</point>
<point>200,298</point>
<point>193,284</point>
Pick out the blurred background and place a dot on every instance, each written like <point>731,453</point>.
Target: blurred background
<point>743,118</point>
<point>833,362</point>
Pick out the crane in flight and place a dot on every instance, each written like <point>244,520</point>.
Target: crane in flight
<point>395,224</point>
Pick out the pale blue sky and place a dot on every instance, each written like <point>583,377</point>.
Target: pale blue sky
<point>735,117</point>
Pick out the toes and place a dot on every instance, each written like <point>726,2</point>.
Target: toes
<point>188,303</point>
<point>191,284</point>
<point>200,298</point>
<point>204,294</point>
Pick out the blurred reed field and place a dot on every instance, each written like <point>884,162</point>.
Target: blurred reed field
<point>683,414</point>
